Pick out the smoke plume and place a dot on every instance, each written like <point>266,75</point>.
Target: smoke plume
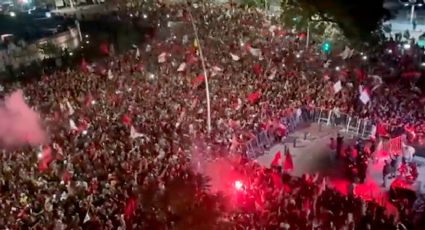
<point>19,124</point>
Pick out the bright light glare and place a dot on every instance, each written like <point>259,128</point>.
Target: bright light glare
<point>390,51</point>
<point>12,14</point>
<point>145,16</point>
<point>337,68</point>
<point>364,57</point>
<point>423,64</point>
<point>420,4</point>
<point>70,53</point>
<point>238,185</point>
<point>406,46</point>
<point>48,15</point>
<point>298,56</point>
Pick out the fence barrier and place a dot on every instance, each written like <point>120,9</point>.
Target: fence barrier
<point>352,125</point>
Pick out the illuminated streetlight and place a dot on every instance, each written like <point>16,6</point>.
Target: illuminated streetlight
<point>406,46</point>
<point>12,14</point>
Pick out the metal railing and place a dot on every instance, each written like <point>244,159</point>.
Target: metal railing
<point>351,125</point>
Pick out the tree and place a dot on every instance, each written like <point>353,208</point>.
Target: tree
<point>356,19</point>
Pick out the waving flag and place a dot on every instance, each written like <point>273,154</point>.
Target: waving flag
<point>134,134</point>
<point>254,97</point>
<point>347,53</point>
<point>276,159</point>
<point>256,68</point>
<point>215,70</point>
<point>235,57</point>
<point>254,52</point>
<point>137,53</point>
<point>364,96</point>
<point>360,74</point>
<point>72,125</point>
<point>162,57</point>
<point>110,75</point>
<point>411,74</point>
<point>104,48</point>
<point>130,207</point>
<point>70,108</point>
<point>44,158</point>
<point>182,67</point>
<point>126,120</point>
<point>288,165</point>
<point>337,87</point>
<point>198,80</point>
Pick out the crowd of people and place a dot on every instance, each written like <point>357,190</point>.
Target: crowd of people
<point>123,134</point>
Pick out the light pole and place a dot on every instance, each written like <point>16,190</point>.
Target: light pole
<point>308,35</point>
<point>412,4</point>
<point>207,89</point>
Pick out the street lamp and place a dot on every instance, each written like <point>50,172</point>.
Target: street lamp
<point>412,4</point>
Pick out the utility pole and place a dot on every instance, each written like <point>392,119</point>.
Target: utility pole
<point>207,89</point>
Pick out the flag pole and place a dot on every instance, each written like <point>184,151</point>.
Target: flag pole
<point>207,90</point>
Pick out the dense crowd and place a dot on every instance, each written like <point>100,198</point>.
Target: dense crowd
<point>123,139</point>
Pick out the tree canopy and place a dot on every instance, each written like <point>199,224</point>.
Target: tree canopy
<point>357,19</point>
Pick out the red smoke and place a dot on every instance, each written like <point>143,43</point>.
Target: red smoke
<point>19,124</point>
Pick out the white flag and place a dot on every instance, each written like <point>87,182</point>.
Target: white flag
<point>134,134</point>
<point>87,217</point>
<point>70,109</point>
<point>272,28</point>
<point>215,70</point>
<point>347,53</point>
<point>235,57</point>
<point>327,64</point>
<point>162,57</point>
<point>254,52</point>
<point>185,39</point>
<point>72,125</point>
<point>182,67</point>
<point>110,76</point>
<point>364,97</point>
<point>337,86</point>
<point>137,53</point>
<point>273,74</point>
